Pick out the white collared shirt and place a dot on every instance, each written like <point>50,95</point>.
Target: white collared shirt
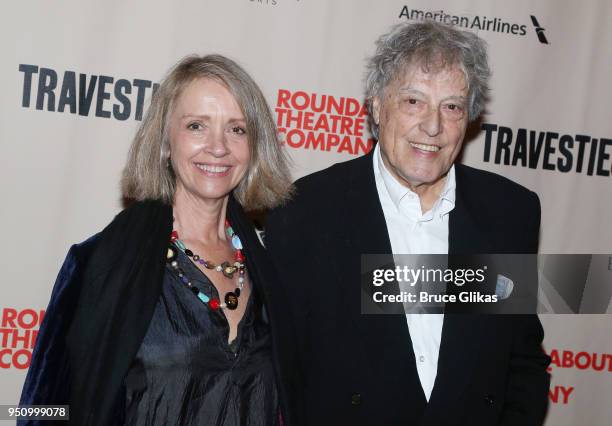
<point>412,232</point>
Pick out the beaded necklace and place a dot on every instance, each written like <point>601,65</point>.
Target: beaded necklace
<point>226,268</point>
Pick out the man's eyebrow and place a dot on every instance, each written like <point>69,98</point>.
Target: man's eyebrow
<point>461,98</point>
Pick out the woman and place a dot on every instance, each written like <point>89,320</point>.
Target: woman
<point>163,317</point>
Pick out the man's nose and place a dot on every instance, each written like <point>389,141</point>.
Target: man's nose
<point>431,123</point>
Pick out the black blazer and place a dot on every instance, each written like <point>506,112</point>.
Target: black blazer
<point>360,369</point>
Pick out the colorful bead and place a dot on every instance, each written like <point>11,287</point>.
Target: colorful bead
<point>204,298</point>
<point>171,254</point>
<point>236,242</point>
<point>214,304</point>
<point>231,300</point>
<point>228,269</point>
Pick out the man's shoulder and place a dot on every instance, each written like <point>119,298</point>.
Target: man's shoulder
<point>333,178</point>
<point>491,185</point>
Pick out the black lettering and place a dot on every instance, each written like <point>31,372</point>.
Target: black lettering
<point>28,71</point>
<point>514,29</point>
<point>504,139</point>
<point>565,144</point>
<point>47,82</point>
<point>535,148</point>
<point>489,129</point>
<point>581,140</point>
<point>549,150</point>
<point>592,156</point>
<point>603,156</point>
<point>142,86</point>
<point>523,30</point>
<point>68,93</point>
<point>520,148</point>
<point>86,96</point>
<point>404,12</point>
<point>103,95</point>
<point>122,87</point>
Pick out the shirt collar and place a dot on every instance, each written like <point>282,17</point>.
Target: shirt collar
<point>397,191</point>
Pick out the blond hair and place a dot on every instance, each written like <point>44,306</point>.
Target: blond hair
<point>147,174</point>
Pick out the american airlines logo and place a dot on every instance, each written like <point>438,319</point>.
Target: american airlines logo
<point>539,30</point>
<point>475,22</point>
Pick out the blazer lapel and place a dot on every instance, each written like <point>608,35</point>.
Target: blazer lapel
<point>367,233</point>
<point>459,346</point>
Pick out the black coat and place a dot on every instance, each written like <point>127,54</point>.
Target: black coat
<point>358,369</point>
<point>102,304</point>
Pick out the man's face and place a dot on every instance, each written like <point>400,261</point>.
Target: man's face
<point>422,119</point>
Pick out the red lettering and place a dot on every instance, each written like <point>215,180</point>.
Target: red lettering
<point>290,138</point>
<point>332,140</point>
<point>308,119</point>
<point>322,124</point>
<point>5,333</point>
<point>346,145</point>
<point>358,129</point>
<point>279,116</point>
<point>583,365</point>
<point>554,358</point>
<point>568,359</point>
<point>364,110</point>
<point>22,365</point>
<point>8,317</point>
<point>352,107</point>
<point>305,100</point>
<point>345,126</point>
<point>4,364</point>
<point>332,104</point>
<point>318,142</point>
<point>21,318</point>
<point>335,119</point>
<point>566,393</point>
<point>362,146</point>
<point>313,104</point>
<point>283,97</point>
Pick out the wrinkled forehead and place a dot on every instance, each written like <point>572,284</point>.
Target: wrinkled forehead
<point>429,67</point>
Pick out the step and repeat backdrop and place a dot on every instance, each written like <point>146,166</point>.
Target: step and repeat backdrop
<point>76,78</point>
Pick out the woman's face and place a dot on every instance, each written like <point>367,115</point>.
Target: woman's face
<point>209,147</point>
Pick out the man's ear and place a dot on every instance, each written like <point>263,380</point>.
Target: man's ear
<point>376,109</point>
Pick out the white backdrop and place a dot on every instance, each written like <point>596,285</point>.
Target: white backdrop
<point>60,170</point>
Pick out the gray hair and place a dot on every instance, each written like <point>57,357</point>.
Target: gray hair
<point>148,175</point>
<point>431,45</point>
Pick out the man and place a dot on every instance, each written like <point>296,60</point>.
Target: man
<point>425,83</point>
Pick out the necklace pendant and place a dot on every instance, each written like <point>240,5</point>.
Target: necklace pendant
<point>231,301</point>
<point>228,269</point>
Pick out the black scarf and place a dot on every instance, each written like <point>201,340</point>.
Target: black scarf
<point>121,285</point>
<point>120,288</point>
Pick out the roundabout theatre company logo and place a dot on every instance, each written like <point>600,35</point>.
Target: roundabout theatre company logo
<point>475,22</point>
<point>320,122</point>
